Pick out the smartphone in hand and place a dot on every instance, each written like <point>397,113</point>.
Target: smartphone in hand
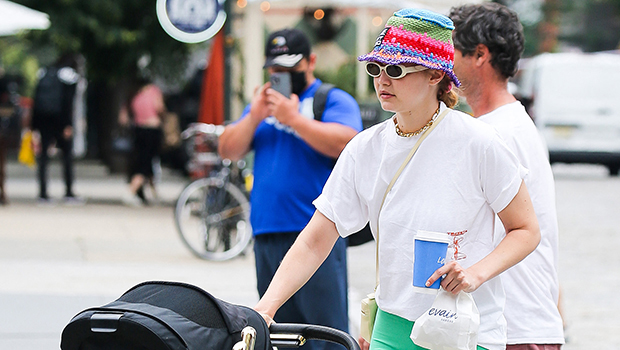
<point>281,82</point>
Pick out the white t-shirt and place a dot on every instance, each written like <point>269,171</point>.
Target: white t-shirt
<point>462,174</point>
<point>532,285</point>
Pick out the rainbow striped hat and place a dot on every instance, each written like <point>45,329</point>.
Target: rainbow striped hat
<point>416,36</point>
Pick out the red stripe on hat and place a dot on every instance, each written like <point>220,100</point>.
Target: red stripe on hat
<point>421,43</point>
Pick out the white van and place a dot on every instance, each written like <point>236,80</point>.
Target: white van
<point>574,100</point>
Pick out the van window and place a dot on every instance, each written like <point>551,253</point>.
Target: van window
<point>576,87</point>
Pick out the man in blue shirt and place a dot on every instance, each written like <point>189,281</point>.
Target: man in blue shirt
<point>294,155</point>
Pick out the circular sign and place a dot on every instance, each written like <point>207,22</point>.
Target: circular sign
<point>191,21</point>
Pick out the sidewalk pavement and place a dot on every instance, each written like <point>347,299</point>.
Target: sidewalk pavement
<point>58,260</point>
<point>92,181</point>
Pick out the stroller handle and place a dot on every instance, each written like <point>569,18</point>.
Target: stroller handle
<point>293,335</point>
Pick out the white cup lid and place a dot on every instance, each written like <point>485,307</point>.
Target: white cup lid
<point>432,236</point>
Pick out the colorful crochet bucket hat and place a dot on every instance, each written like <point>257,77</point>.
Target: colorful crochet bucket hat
<point>416,36</point>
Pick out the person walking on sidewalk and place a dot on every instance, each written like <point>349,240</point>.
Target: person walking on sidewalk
<point>488,40</point>
<point>6,113</point>
<point>294,154</point>
<point>461,176</point>
<point>52,117</point>
<point>145,111</point>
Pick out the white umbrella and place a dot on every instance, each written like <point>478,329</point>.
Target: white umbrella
<point>15,18</point>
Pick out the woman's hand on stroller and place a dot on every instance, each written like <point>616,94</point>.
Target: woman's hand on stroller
<point>266,317</point>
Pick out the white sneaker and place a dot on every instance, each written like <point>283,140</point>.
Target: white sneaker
<point>74,200</point>
<point>131,200</point>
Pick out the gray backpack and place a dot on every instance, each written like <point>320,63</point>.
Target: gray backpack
<point>320,99</point>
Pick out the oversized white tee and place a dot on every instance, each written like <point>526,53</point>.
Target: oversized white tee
<point>532,285</point>
<point>462,174</point>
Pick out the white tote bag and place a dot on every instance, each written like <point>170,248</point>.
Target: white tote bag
<point>451,323</point>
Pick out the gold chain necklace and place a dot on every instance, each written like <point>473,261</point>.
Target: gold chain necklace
<point>417,132</point>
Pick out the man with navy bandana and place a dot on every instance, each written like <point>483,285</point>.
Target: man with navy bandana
<point>294,156</point>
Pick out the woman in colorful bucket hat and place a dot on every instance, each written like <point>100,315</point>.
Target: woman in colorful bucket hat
<point>461,176</point>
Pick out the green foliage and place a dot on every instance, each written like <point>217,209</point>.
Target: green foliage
<point>111,34</point>
<point>599,21</point>
<point>344,77</point>
<point>590,25</point>
<point>16,60</point>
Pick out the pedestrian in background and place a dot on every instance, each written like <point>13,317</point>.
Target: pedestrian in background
<point>6,111</point>
<point>461,176</point>
<point>3,146</point>
<point>144,111</point>
<point>52,117</point>
<point>488,40</point>
<point>294,155</point>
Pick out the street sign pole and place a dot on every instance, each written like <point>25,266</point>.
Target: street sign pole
<point>228,50</point>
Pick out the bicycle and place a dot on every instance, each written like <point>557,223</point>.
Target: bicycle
<point>212,213</point>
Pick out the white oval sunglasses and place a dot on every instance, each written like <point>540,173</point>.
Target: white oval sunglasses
<point>393,71</point>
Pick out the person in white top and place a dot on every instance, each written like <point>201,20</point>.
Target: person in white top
<point>488,40</point>
<point>462,175</point>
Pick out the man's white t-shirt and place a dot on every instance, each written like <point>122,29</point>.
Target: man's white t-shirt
<point>462,174</point>
<point>532,285</point>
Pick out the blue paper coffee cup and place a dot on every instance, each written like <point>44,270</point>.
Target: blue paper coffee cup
<point>429,253</point>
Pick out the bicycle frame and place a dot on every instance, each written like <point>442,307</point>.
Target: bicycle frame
<point>215,205</point>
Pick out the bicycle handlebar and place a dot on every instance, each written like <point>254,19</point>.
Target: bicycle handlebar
<point>202,128</point>
<point>309,332</point>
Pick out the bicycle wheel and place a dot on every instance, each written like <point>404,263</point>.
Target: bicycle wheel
<point>213,219</point>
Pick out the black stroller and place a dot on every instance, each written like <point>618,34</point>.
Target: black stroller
<point>171,316</point>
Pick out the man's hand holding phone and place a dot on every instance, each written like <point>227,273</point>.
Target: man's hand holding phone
<point>259,108</point>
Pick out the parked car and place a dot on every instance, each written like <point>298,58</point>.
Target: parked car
<point>575,103</point>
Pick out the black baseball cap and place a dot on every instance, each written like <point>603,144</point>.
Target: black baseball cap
<point>286,47</point>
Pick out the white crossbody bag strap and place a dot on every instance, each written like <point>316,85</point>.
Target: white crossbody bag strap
<point>400,170</point>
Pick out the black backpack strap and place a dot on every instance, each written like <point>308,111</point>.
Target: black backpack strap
<point>320,100</point>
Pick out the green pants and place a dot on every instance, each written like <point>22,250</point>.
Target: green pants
<point>392,332</point>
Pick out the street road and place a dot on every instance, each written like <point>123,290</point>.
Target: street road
<point>56,261</point>
<point>588,204</point>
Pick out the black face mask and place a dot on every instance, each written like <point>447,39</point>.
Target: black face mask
<point>298,82</point>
